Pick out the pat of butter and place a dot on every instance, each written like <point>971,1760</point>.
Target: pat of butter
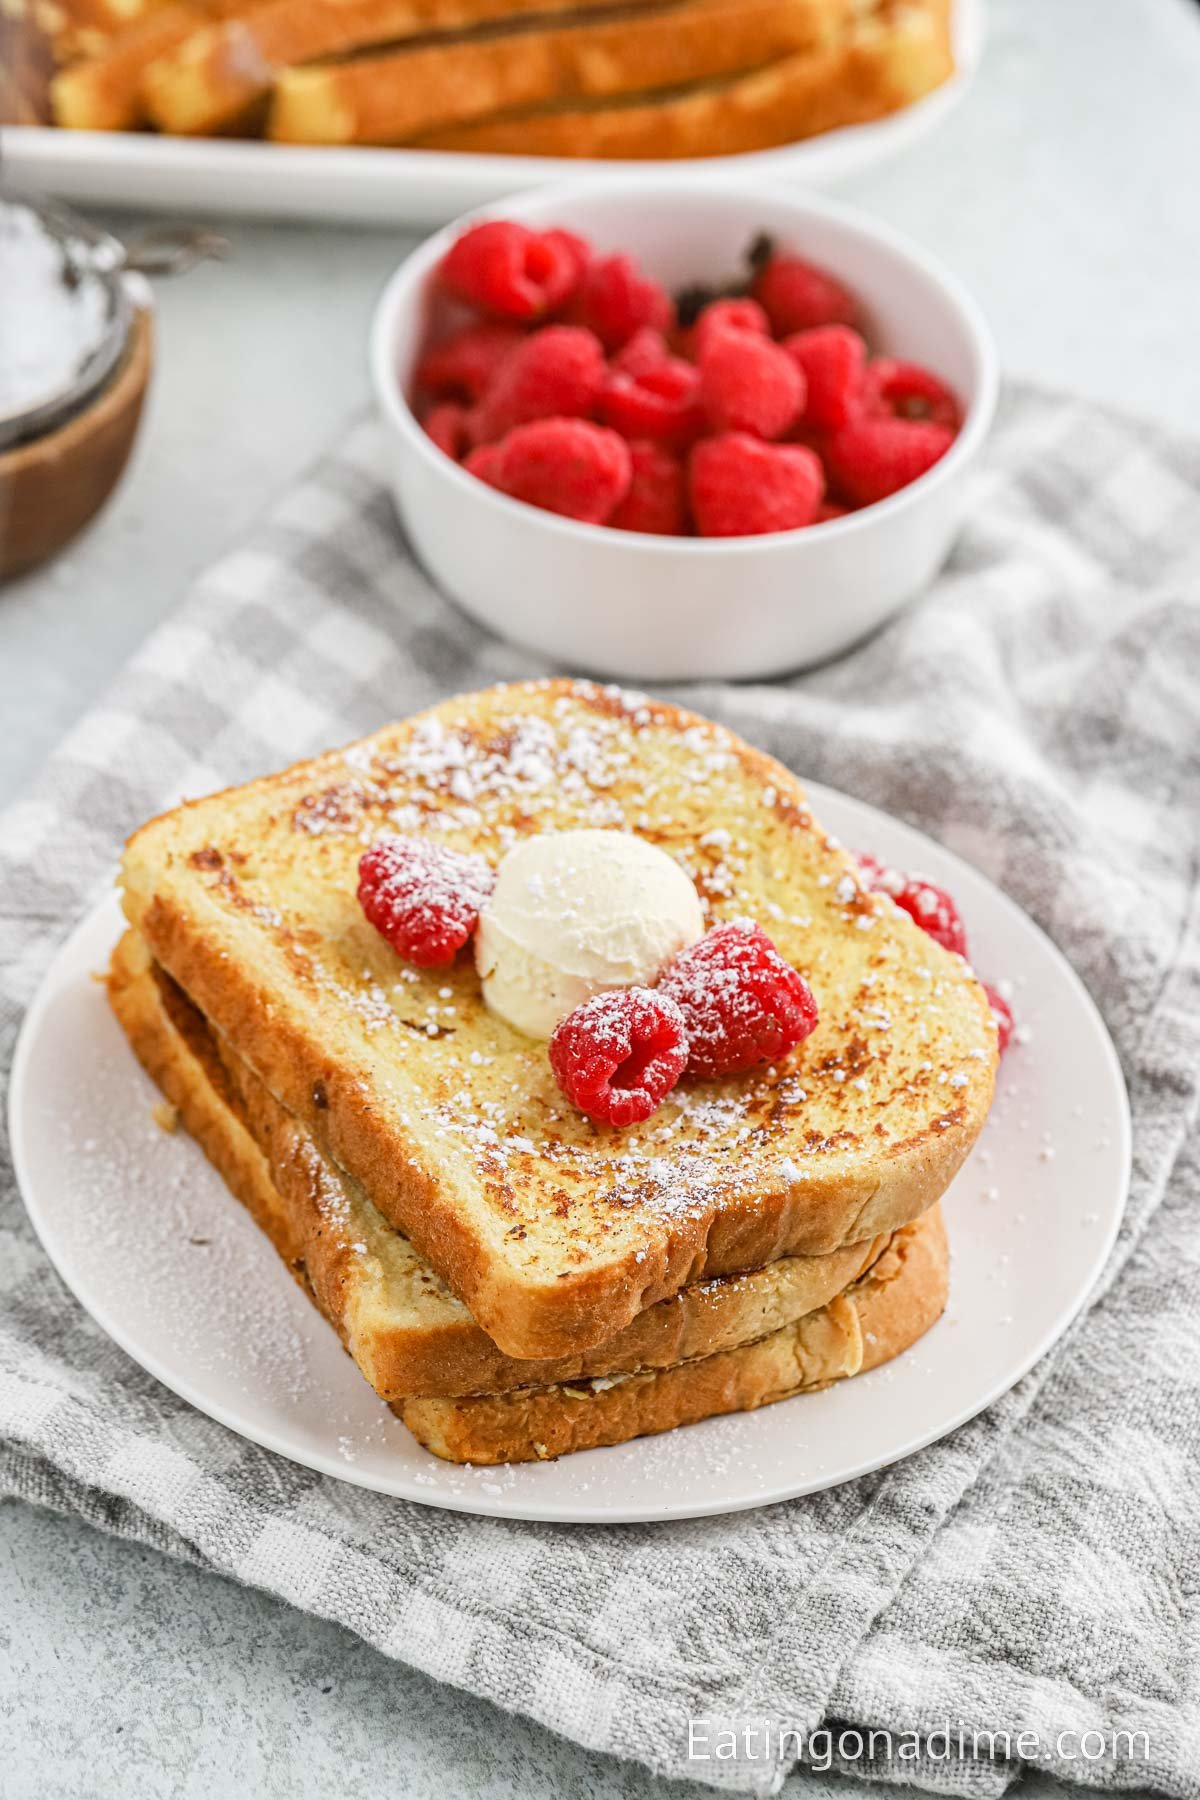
<point>574,913</point>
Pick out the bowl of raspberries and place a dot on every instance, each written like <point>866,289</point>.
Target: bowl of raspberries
<point>672,431</point>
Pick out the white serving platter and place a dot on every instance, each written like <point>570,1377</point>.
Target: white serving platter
<point>149,1240</point>
<point>416,187</point>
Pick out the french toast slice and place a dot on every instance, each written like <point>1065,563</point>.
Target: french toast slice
<point>388,98</point>
<point>104,92</point>
<point>403,1327</point>
<point>878,1316</point>
<point>553,1231</point>
<point>888,60</point>
<point>221,75</point>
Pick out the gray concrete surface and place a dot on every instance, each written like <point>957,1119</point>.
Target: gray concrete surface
<point>132,1675</point>
<point>1063,191</point>
<point>123,1674</point>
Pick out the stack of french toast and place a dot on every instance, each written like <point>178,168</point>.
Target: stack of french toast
<point>574,78</point>
<point>515,1279</point>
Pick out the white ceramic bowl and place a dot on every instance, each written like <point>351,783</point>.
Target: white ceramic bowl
<point>646,608</point>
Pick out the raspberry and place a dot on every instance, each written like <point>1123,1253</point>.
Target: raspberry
<point>796,296</point>
<point>907,391</point>
<point>557,373</point>
<point>618,1056</point>
<point>567,466</point>
<point>424,898</point>
<point>464,365</point>
<point>615,299</point>
<point>926,904</point>
<point>657,497</point>
<point>446,424</point>
<point>485,463</point>
<point>645,351</point>
<point>661,401</point>
<point>741,1003</point>
<point>741,487</point>
<point>747,383</point>
<point>577,248</point>
<point>730,315</point>
<point>834,359</point>
<point>1002,1013</point>
<point>507,270</point>
<point>872,458</point>
<point>829,510</point>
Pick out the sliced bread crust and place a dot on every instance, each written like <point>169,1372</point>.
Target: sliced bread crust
<point>222,74</point>
<point>893,1304</point>
<point>404,1328</point>
<point>397,95</point>
<point>889,60</point>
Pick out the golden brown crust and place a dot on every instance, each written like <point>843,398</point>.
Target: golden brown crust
<point>886,63</point>
<point>496,79</point>
<point>883,1313</point>
<point>220,76</point>
<point>104,93</point>
<point>386,99</point>
<point>405,1330</point>
<point>556,1234</point>
<point>202,1094</point>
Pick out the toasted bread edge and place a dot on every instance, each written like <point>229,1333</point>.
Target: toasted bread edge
<point>266,1159</point>
<point>876,1319</point>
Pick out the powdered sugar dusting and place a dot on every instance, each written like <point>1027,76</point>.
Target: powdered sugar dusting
<point>462,1084</point>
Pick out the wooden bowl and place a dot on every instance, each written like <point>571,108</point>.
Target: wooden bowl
<point>51,486</point>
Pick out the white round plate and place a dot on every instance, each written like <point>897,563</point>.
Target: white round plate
<point>146,1236</point>
<point>419,187</point>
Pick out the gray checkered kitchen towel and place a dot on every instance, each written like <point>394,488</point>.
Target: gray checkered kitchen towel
<point>1039,1570</point>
